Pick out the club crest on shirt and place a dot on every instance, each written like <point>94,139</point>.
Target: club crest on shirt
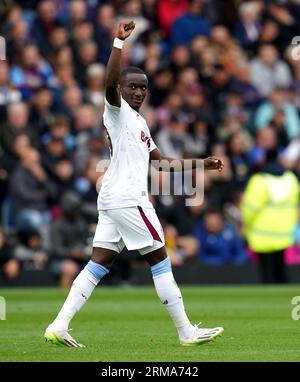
<point>145,139</point>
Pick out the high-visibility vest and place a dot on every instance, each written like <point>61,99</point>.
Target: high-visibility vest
<point>270,210</point>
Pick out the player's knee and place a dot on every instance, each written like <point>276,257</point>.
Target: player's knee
<point>104,257</point>
<point>156,256</point>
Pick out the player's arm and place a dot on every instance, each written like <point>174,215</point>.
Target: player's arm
<point>113,70</point>
<point>210,163</point>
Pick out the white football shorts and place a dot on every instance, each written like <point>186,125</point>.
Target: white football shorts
<point>137,228</point>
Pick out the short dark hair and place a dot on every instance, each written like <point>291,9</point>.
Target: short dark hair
<point>130,70</point>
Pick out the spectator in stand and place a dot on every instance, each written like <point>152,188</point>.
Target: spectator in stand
<point>16,124</point>
<point>248,27</point>
<point>221,42</point>
<point>87,186</point>
<point>32,72</point>
<point>72,100</point>
<point>268,71</point>
<point>18,37</point>
<point>83,32</point>
<point>237,153</point>
<point>60,129</point>
<point>12,158</point>
<point>269,34</point>
<point>190,24</point>
<point>63,176</point>
<point>221,183</point>
<point>30,191</point>
<point>265,140</point>
<point>234,107</point>
<point>8,93</point>
<point>173,139</point>
<point>132,10</point>
<point>63,57</point>
<point>168,11</point>
<point>58,38</point>
<point>92,143</point>
<point>65,80</point>
<point>68,237</point>
<point>219,243</point>
<point>94,90</point>
<point>180,59</point>
<point>161,86</point>
<point>172,105</point>
<point>55,150</point>
<point>8,264</point>
<point>86,55</point>
<point>242,84</point>
<point>172,239</point>
<point>150,59</point>
<point>188,82</point>
<point>217,89</point>
<point>104,29</point>
<point>270,212</point>
<point>42,110</point>
<point>278,105</point>
<point>77,14</point>
<point>30,252</point>
<point>85,122</point>
<point>286,14</point>
<point>44,24</point>
<point>201,138</point>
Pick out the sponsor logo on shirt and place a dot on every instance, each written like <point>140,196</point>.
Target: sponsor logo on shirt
<point>145,139</point>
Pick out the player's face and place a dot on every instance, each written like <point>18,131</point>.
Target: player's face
<point>134,89</point>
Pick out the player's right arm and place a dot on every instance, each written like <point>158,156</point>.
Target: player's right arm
<point>210,163</point>
<point>113,70</point>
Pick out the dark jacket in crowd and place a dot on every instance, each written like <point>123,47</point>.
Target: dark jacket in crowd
<point>28,193</point>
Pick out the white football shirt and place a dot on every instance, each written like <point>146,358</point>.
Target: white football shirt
<point>125,183</point>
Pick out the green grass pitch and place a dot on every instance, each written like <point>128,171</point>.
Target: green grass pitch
<point>130,324</point>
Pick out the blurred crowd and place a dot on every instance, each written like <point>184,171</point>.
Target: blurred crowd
<point>223,80</point>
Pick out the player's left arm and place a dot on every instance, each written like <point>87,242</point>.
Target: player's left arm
<point>113,70</point>
<point>210,163</point>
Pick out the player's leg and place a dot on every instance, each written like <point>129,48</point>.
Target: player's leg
<point>141,230</point>
<point>170,295</point>
<point>81,290</point>
<point>107,244</point>
<point>168,291</point>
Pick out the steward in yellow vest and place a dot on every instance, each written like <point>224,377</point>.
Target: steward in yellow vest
<point>270,209</point>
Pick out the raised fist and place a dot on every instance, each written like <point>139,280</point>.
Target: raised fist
<point>125,30</point>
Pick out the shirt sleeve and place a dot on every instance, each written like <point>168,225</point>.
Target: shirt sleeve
<point>152,146</point>
<point>111,115</point>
